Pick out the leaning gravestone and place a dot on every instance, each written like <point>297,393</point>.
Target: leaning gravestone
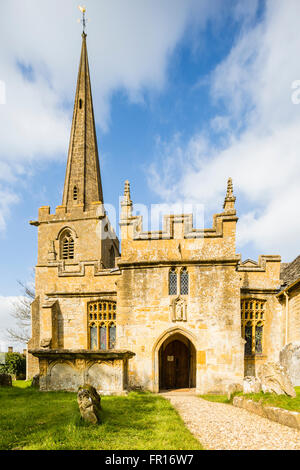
<point>5,380</point>
<point>251,385</point>
<point>275,379</point>
<point>290,358</point>
<point>89,402</point>
<point>232,389</point>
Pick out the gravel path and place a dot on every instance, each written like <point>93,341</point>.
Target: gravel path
<point>224,427</point>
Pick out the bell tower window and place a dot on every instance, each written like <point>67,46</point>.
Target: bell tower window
<point>67,246</point>
<point>75,193</point>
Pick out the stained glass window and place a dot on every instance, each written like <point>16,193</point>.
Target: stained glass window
<point>184,282</point>
<point>258,339</point>
<point>103,337</point>
<point>253,318</point>
<point>94,339</point>
<point>248,339</point>
<point>172,282</point>
<point>112,336</point>
<point>102,324</point>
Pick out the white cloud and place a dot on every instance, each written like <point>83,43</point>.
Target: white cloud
<point>260,136</point>
<point>129,44</point>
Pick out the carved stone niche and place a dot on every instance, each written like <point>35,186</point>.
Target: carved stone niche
<point>179,309</point>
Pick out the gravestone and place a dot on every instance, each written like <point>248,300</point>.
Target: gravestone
<point>5,380</point>
<point>275,379</point>
<point>89,402</point>
<point>290,358</point>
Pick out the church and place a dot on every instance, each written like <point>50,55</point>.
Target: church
<point>169,309</point>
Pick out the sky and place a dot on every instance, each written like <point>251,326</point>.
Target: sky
<point>186,93</point>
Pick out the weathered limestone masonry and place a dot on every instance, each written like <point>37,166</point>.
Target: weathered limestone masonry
<point>175,309</point>
<point>147,313</point>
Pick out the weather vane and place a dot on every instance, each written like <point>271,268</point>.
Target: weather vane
<point>84,19</point>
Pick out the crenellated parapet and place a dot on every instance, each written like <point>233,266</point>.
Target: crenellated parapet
<point>178,237</point>
<point>261,276</point>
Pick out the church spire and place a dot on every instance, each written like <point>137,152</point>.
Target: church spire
<point>83,181</point>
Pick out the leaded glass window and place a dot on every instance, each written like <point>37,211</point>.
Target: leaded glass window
<point>172,282</point>
<point>94,340</point>
<point>103,337</point>
<point>248,339</point>
<point>258,339</point>
<point>184,282</point>
<point>102,317</point>
<point>112,336</point>
<point>253,319</point>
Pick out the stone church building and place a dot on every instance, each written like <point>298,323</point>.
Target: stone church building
<point>170,309</point>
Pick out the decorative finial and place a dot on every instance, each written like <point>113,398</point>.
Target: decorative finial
<point>230,198</point>
<point>83,21</point>
<point>127,192</point>
<point>229,188</point>
<point>126,203</point>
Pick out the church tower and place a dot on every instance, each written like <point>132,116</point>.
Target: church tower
<point>77,245</point>
<point>79,231</point>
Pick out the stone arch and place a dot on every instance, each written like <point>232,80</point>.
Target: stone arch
<point>167,336</point>
<point>66,228</point>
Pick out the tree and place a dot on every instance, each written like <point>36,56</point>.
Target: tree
<point>15,364</point>
<point>22,314</point>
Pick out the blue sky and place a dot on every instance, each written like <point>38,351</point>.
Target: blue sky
<point>186,94</point>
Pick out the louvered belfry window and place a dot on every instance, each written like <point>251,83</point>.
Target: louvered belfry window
<point>184,282</point>
<point>75,193</point>
<point>67,246</point>
<point>102,317</point>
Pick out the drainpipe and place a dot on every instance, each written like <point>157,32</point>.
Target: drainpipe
<point>286,317</point>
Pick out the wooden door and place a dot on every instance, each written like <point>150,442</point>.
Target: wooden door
<point>175,366</point>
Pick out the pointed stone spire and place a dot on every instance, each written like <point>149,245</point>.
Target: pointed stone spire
<point>230,198</point>
<point>83,181</point>
<point>126,204</point>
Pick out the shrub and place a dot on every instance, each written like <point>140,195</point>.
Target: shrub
<point>15,364</point>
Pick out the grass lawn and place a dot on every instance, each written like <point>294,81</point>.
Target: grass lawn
<point>281,401</point>
<point>216,398</point>
<point>269,399</point>
<point>30,419</point>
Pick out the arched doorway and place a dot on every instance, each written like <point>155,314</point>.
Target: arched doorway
<point>177,363</point>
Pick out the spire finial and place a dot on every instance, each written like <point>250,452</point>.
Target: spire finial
<point>126,203</point>
<point>229,188</point>
<point>127,191</point>
<point>83,21</point>
<point>230,198</point>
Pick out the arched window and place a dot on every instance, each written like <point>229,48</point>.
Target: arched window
<point>75,193</point>
<point>253,319</point>
<point>184,282</point>
<point>67,245</point>
<point>80,103</point>
<point>173,282</point>
<point>102,317</point>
